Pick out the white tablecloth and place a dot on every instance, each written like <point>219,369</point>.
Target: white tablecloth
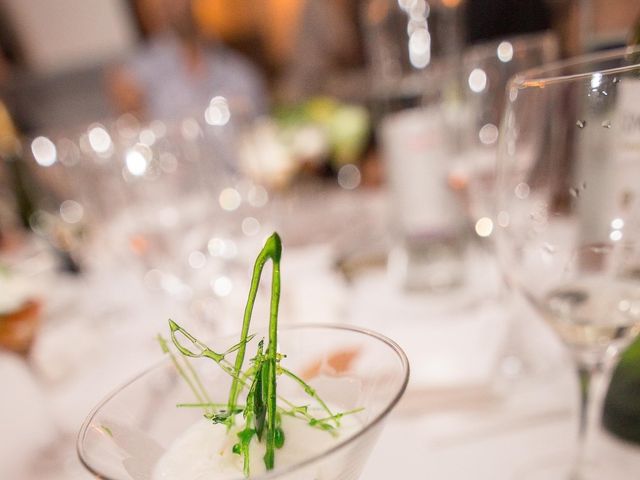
<point>462,415</point>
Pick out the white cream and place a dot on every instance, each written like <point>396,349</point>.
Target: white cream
<point>204,451</point>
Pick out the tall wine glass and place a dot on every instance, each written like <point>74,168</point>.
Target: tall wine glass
<point>569,215</point>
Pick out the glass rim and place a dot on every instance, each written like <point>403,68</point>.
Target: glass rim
<point>404,361</point>
<point>550,73</point>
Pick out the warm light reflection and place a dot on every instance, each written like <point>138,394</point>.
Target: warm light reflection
<point>99,139</point>
<point>596,80</point>
<point>216,247</point>
<point>147,137</point>
<point>505,51</point>
<point>71,211</point>
<point>488,134</point>
<point>349,177</point>
<point>484,227</point>
<point>158,128</point>
<point>617,224</point>
<point>136,163</point>
<point>420,47</point>
<point>615,236</point>
<point>222,286</point>
<point>217,113</point>
<point>197,259</point>
<point>44,151</point>
<point>219,247</point>
<point>477,80</point>
<point>229,199</point>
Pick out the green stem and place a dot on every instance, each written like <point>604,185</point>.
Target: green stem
<point>272,354</point>
<point>338,416</point>
<point>309,391</point>
<point>272,250</point>
<point>260,411</point>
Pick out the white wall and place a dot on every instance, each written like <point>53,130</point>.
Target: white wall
<point>61,34</point>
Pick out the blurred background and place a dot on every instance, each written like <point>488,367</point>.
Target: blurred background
<point>148,147</point>
<point>61,62</point>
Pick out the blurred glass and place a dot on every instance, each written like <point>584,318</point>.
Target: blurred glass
<point>417,127</point>
<point>163,199</point>
<point>568,233</point>
<point>485,71</point>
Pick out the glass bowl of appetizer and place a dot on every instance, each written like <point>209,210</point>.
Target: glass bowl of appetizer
<point>298,402</point>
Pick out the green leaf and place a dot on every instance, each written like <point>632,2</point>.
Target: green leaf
<point>279,437</point>
<point>259,404</point>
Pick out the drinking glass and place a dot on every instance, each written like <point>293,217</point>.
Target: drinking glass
<point>569,216</point>
<point>350,368</point>
<point>485,71</point>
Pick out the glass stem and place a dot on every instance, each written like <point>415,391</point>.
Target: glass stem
<point>592,376</point>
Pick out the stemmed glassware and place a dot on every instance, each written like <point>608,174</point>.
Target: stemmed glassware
<point>350,368</point>
<point>164,199</point>
<point>568,216</point>
<point>485,71</point>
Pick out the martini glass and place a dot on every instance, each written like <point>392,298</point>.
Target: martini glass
<point>568,219</point>
<point>124,436</point>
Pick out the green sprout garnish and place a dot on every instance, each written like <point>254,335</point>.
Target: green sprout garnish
<point>261,413</point>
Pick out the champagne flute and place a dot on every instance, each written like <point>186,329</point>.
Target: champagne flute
<point>568,217</point>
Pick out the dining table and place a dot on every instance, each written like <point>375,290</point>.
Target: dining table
<point>491,390</point>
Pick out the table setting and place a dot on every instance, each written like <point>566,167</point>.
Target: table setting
<point>440,282</point>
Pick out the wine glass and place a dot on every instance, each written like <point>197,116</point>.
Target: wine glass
<point>568,216</point>
<point>350,368</point>
<point>485,71</point>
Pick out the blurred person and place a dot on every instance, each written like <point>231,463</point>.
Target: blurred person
<point>179,70</point>
<point>327,42</point>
